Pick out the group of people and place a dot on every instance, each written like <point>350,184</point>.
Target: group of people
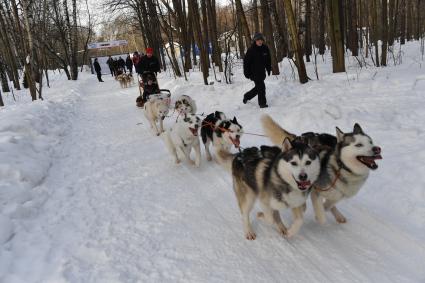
<point>257,62</point>
<point>118,66</point>
<point>141,62</point>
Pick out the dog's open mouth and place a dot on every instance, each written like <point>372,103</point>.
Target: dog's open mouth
<point>369,161</point>
<point>303,185</point>
<point>236,141</point>
<point>194,131</point>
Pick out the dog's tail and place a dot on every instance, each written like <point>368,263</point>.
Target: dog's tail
<point>225,159</point>
<point>275,132</point>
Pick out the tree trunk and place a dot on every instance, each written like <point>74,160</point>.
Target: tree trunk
<point>205,34</point>
<point>391,27</point>
<point>3,78</point>
<point>403,21</point>
<point>244,24</point>
<point>281,43</point>
<point>255,16</point>
<point>268,33</point>
<point>322,44</point>
<point>353,41</point>
<point>307,44</point>
<point>1,100</point>
<point>197,33</point>
<point>375,29</point>
<point>29,71</point>
<point>336,35</point>
<point>384,33</point>
<point>296,45</point>
<point>212,21</point>
<point>74,42</point>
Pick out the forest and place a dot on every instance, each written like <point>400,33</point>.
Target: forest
<point>204,35</point>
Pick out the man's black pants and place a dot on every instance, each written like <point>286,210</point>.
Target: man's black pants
<point>260,90</point>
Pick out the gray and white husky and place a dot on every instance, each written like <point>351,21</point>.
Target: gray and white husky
<point>182,137</point>
<point>279,177</point>
<point>346,160</point>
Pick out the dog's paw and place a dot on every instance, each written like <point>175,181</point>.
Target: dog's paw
<point>250,235</point>
<point>341,219</point>
<point>260,214</point>
<point>321,220</point>
<point>291,233</point>
<point>282,231</point>
<point>209,158</point>
<point>177,161</point>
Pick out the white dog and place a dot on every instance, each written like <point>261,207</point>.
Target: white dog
<point>155,110</point>
<point>182,137</point>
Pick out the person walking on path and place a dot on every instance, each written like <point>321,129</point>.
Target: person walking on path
<point>110,63</point>
<point>256,62</point>
<point>121,64</point>
<point>98,70</point>
<point>129,64</point>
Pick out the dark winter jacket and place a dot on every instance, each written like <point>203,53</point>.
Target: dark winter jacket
<point>121,63</point>
<point>110,62</point>
<point>256,62</point>
<point>129,63</point>
<point>148,64</point>
<point>96,66</point>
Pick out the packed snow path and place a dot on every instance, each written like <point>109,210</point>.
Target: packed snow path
<point>119,210</point>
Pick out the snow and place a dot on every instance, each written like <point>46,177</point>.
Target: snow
<point>90,195</point>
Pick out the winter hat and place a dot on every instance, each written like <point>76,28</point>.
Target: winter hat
<point>258,36</point>
<point>149,50</point>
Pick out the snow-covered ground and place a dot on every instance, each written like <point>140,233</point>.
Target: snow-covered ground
<point>88,194</point>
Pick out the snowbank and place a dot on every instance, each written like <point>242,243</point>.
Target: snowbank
<point>30,132</point>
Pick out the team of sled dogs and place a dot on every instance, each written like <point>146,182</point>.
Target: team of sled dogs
<point>125,80</point>
<point>326,167</point>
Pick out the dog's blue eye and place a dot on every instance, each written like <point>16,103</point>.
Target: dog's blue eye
<point>293,163</point>
<point>359,145</point>
<point>308,162</point>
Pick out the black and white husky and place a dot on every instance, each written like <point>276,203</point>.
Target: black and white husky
<point>182,137</point>
<point>279,177</point>
<point>221,132</point>
<point>346,160</point>
<point>185,105</point>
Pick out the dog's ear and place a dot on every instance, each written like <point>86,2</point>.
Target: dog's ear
<point>234,120</point>
<point>357,129</point>
<point>339,135</point>
<point>286,145</point>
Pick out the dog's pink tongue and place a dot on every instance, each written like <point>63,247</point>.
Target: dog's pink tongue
<point>304,184</point>
<point>236,142</point>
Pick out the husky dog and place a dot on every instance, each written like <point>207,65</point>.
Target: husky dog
<point>124,80</point>
<point>221,132</point>
<point>182,137</point>
<point>346,160</point>
<point>155,110</point>
<point>185,105</point>
<point>279,177</point>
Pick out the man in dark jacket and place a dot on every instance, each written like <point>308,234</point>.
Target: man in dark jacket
<point>129,64</point>
<point>110,63</point>
<point>149,62</point>
<point>256,62</point>
<point>98,70</point>
<point>121,64</point>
